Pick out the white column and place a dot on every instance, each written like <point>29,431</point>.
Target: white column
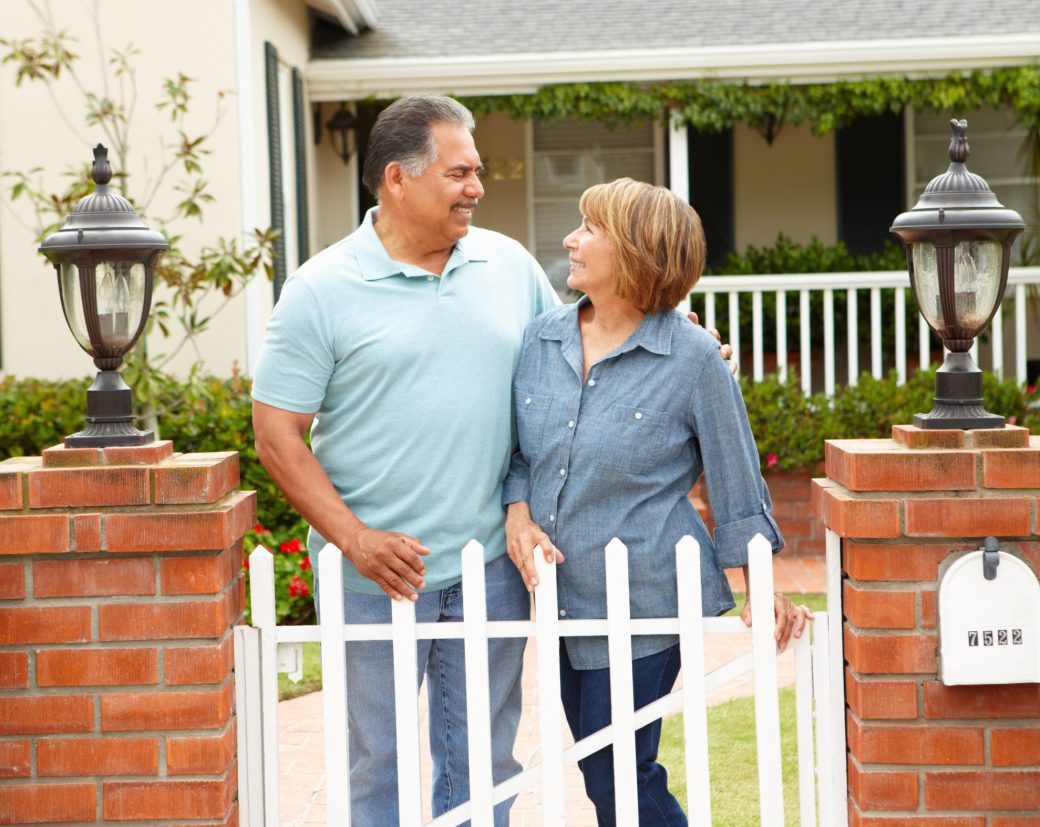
<point>678,158</point>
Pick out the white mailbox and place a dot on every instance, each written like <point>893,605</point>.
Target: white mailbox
<point>989,620</point>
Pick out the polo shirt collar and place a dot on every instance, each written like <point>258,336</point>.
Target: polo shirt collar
<point>654,333</point>
<point>375,263</point>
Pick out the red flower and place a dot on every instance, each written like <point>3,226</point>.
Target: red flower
<point>290,546</point>
<point>305,563</point>
<point>245,563</point>
<point>1012,420</point>
<point>771,460</point>
<point>298,587</point>
<point>1031,388</point>
<point>259,529</point>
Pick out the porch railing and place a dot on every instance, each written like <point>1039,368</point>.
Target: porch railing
<point>794,299</point>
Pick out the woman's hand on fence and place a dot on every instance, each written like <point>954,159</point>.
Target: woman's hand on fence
<point>725,351</point>
<point>390,559</point>
<point>790,619</point>
<point>522,536</point>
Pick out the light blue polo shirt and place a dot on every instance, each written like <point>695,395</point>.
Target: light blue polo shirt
<point>410,376</point>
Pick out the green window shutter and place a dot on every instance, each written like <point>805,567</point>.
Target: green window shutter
<point>274,159</point>
<point>300,138</point>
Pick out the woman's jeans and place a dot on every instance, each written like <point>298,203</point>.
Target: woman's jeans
<point>586,701</point>
<point>370,698</point>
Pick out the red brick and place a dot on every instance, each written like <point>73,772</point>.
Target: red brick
<point>46,803</point>
<point>199,574</point>
<point>910,436</point>
<point>61,457</point>
<point>163,800</point>
<point>880,465</point>
<point>15,759</point>
<point>1020,700</point>
<point>34,533</point>
<point>878,609</point>
<point>177,530</point>
<point>1015,747</point>
<point>46,714</point>
<point>196,478</point>
<point>96,667</point>
<point>881,699</point>
<point>14,670</point>
<point>968,517</point>
<point>93,578</point>
<point>1007,790</point>
<point>200,756</point>
<point>882,790</point>
<point>58,624</point>
<point>87,532</point>
<point>1010,436</point>
<point>12,474</point>
<point>12,581</point>
<point>904,562</point>
<point>1011,469</point>
<point>857,819</point>
<point>97,756</point>
<point>1016,821</point>
<point>166,710</point>
<point>929,609</point>
<point>162,621</point>
<point>78,487</point>
<point>925,744</point>
<point>857,517</point>
<point>198,664</point>
<point>151,454</point>
<point>890,654</point>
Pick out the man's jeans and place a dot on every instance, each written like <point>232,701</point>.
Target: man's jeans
<point>370,699</point>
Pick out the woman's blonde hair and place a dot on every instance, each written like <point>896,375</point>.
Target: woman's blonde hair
<point>657,238</point>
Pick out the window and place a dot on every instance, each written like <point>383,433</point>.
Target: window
<point>568,157</point>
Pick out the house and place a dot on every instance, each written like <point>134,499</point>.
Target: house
<point>770,117</point>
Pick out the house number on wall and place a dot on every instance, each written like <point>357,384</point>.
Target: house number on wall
<point>503,169</point>
<point>999,636</point>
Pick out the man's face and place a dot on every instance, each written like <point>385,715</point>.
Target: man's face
<point>440,202</point>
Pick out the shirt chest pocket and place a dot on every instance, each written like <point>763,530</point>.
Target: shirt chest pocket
<point>531,412</point>
<point>633,439</point>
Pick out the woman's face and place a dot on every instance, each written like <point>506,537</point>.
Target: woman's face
<point>591,259</point>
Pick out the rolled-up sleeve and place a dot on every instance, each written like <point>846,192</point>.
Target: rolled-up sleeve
<point>517,487</point>
<point>740,502</point>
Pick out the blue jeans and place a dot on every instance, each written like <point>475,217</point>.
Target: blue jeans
<point>586,702</point>
<point>370,698</point>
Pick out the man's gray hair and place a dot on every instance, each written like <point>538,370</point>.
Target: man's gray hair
<point>403,133</point>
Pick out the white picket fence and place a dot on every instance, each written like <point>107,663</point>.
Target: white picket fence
<point>1013,350</point>
<point>819,699</point>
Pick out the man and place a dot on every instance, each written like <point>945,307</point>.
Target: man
<point>398,345</point>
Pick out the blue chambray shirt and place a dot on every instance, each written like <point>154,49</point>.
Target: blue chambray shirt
<point>615,455</point>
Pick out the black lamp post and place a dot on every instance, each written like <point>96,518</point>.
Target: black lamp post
<point>340,126</point>
<point>105,258</point>
<point>958,241</point>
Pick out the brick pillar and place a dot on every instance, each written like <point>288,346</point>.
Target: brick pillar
<point>921,754</point>
<point>120,581</point>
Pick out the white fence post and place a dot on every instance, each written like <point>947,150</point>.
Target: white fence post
<point>334,685</point>
<point>261,571</point>
<point>803,700</point>
<point>622,713</point>
<point>406,706</point>
<point>691,653</point>
<point>478,702</point>
<point>250,725</point>
<point>548,633</point>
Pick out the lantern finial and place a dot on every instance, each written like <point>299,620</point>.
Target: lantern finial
<point>101,171</point>
<point>959,149</point>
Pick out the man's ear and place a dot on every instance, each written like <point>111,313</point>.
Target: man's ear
<point>393,180</point>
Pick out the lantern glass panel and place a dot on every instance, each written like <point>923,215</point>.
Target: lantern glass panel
<point>976,278</point>
<point>117,301</point>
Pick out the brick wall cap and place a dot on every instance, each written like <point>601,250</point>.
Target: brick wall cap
<point>59,456</point>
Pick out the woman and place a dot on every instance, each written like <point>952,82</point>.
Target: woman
<point>621,403</point>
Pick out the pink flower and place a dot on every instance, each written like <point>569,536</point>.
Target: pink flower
<point>290,546</point>
<point>771,460</point>
<point>1012,420</point>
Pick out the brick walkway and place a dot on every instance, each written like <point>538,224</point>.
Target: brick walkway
<point>301,738</point>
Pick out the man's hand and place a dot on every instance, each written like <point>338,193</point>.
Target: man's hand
<point>725,351</point>
<point>790,619</point>
<point>390,559</point>
<point>522,535</point>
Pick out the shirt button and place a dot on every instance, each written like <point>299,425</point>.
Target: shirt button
<point>527,401</point>
<point>592,383</point>
<point>563,472</point>
<point>563,613</point>
<point>552,518</point>
<point>570,424</point>
<point>639,415</point>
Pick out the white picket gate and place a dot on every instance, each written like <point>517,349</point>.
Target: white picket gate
<point>819,706</point>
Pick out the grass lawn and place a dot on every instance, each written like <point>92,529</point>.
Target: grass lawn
<point>311,681</point>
